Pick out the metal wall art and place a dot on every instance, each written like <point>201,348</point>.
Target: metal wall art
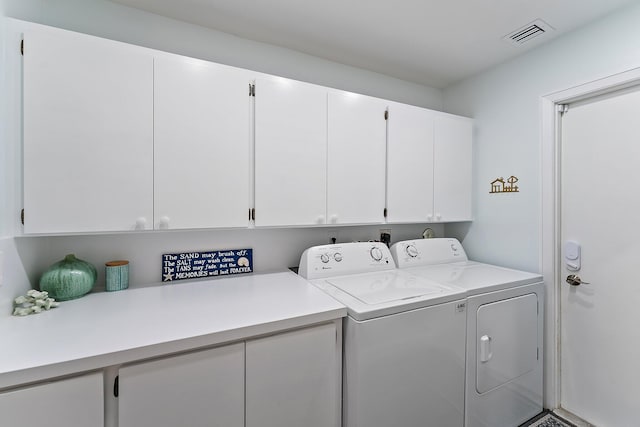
<point>499,185</point>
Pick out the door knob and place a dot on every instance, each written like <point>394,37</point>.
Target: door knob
<point>574,280</point>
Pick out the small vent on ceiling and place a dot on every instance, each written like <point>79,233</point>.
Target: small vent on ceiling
<point>529,32</point>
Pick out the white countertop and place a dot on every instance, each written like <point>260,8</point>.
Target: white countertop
<point>111,328</point>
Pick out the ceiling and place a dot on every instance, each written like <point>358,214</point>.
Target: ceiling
<point>431,42</point>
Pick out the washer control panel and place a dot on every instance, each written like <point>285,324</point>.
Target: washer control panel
<point>346,258</point>
<point>413,253</point>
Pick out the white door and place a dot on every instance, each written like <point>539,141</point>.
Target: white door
<point>357,141</point>
<point>410,164</point>
<point>201,144</point>
<point>88,134</point>
<point>290,153</point>
<point>293,379</point>
<point>452,157</point>
<point>600,338</point>
<point>200,389</point>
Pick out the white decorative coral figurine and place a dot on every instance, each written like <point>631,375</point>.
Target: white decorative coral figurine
<point>33,302</point>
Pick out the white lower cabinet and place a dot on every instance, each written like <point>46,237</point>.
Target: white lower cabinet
<point>290,379</point>
<point>73,402</point>
<point>293,379</point>
<point>204,388</point>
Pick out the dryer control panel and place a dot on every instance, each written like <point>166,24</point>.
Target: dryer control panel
<point>414,253</point>
<point>346,258</point>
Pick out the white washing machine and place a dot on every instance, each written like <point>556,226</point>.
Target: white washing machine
<point>504,329</point>
<point>404,346</point>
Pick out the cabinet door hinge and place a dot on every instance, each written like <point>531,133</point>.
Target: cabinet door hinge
<point>253,214</point>
<point>385,212</point>
<point>386,114</point>
<point>22,47</point>
<point>116,386</point>
<point>252,90</point>
<point>22,216</point>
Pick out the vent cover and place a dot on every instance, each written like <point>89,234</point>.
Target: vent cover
<point>529,32</point>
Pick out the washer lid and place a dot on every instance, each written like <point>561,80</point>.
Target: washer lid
<point>371,295</point>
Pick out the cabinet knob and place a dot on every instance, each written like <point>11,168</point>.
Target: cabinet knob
<point>334,219</point>
<point>141,223</point>
<point>438,217</point>
<point>429,217</point>
<point>164,223</point>
<point>320,219</point>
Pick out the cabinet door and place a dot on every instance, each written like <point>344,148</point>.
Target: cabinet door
<point>201,149</point>
<point>410,164</point>
<point>202,389</point>
<point>452,168</point>
<point>293,379</point>
<point>290,153</point>
<point>75,402</point>
<point>356,159</point>
<point>88,134</point>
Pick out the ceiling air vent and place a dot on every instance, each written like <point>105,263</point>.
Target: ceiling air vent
<point>529,32</point>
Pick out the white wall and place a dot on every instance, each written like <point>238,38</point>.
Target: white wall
<point>274,249</point>
<point>4,196</point>
<point>13,280</point>
<point>505,103</point>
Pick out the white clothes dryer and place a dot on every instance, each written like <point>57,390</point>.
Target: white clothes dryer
<point>504,329</point>
<point>404,345</point>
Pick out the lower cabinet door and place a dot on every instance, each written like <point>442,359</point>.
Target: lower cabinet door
<point>293,379</point>
<point>204,388</point>
<point>74,402</point>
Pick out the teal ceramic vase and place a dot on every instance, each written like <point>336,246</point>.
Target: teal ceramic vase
<point>68,279</point>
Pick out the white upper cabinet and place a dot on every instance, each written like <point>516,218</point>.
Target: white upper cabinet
<point>201,154</point>
<point>452,168</point>
<point>88,134</point>
<point>356,159</point>
<point>119,137</point>
<point>429,166</point>
<point>410,164</point>
<point>290,153</point>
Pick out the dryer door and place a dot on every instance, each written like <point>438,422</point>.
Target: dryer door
<point>506,341</point>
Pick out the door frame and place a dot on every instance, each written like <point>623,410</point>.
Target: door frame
<point>550,214</point>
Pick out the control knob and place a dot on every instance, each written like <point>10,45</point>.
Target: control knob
<point>376,254</point>
<point>324,258</point>
<point>412,251</point>
<point>337,256</point>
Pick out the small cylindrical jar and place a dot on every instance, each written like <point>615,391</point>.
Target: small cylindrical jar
<point>117,273</point>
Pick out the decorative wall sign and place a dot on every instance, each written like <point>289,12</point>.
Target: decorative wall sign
<point>193,265</point>
<point>499,185</point>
